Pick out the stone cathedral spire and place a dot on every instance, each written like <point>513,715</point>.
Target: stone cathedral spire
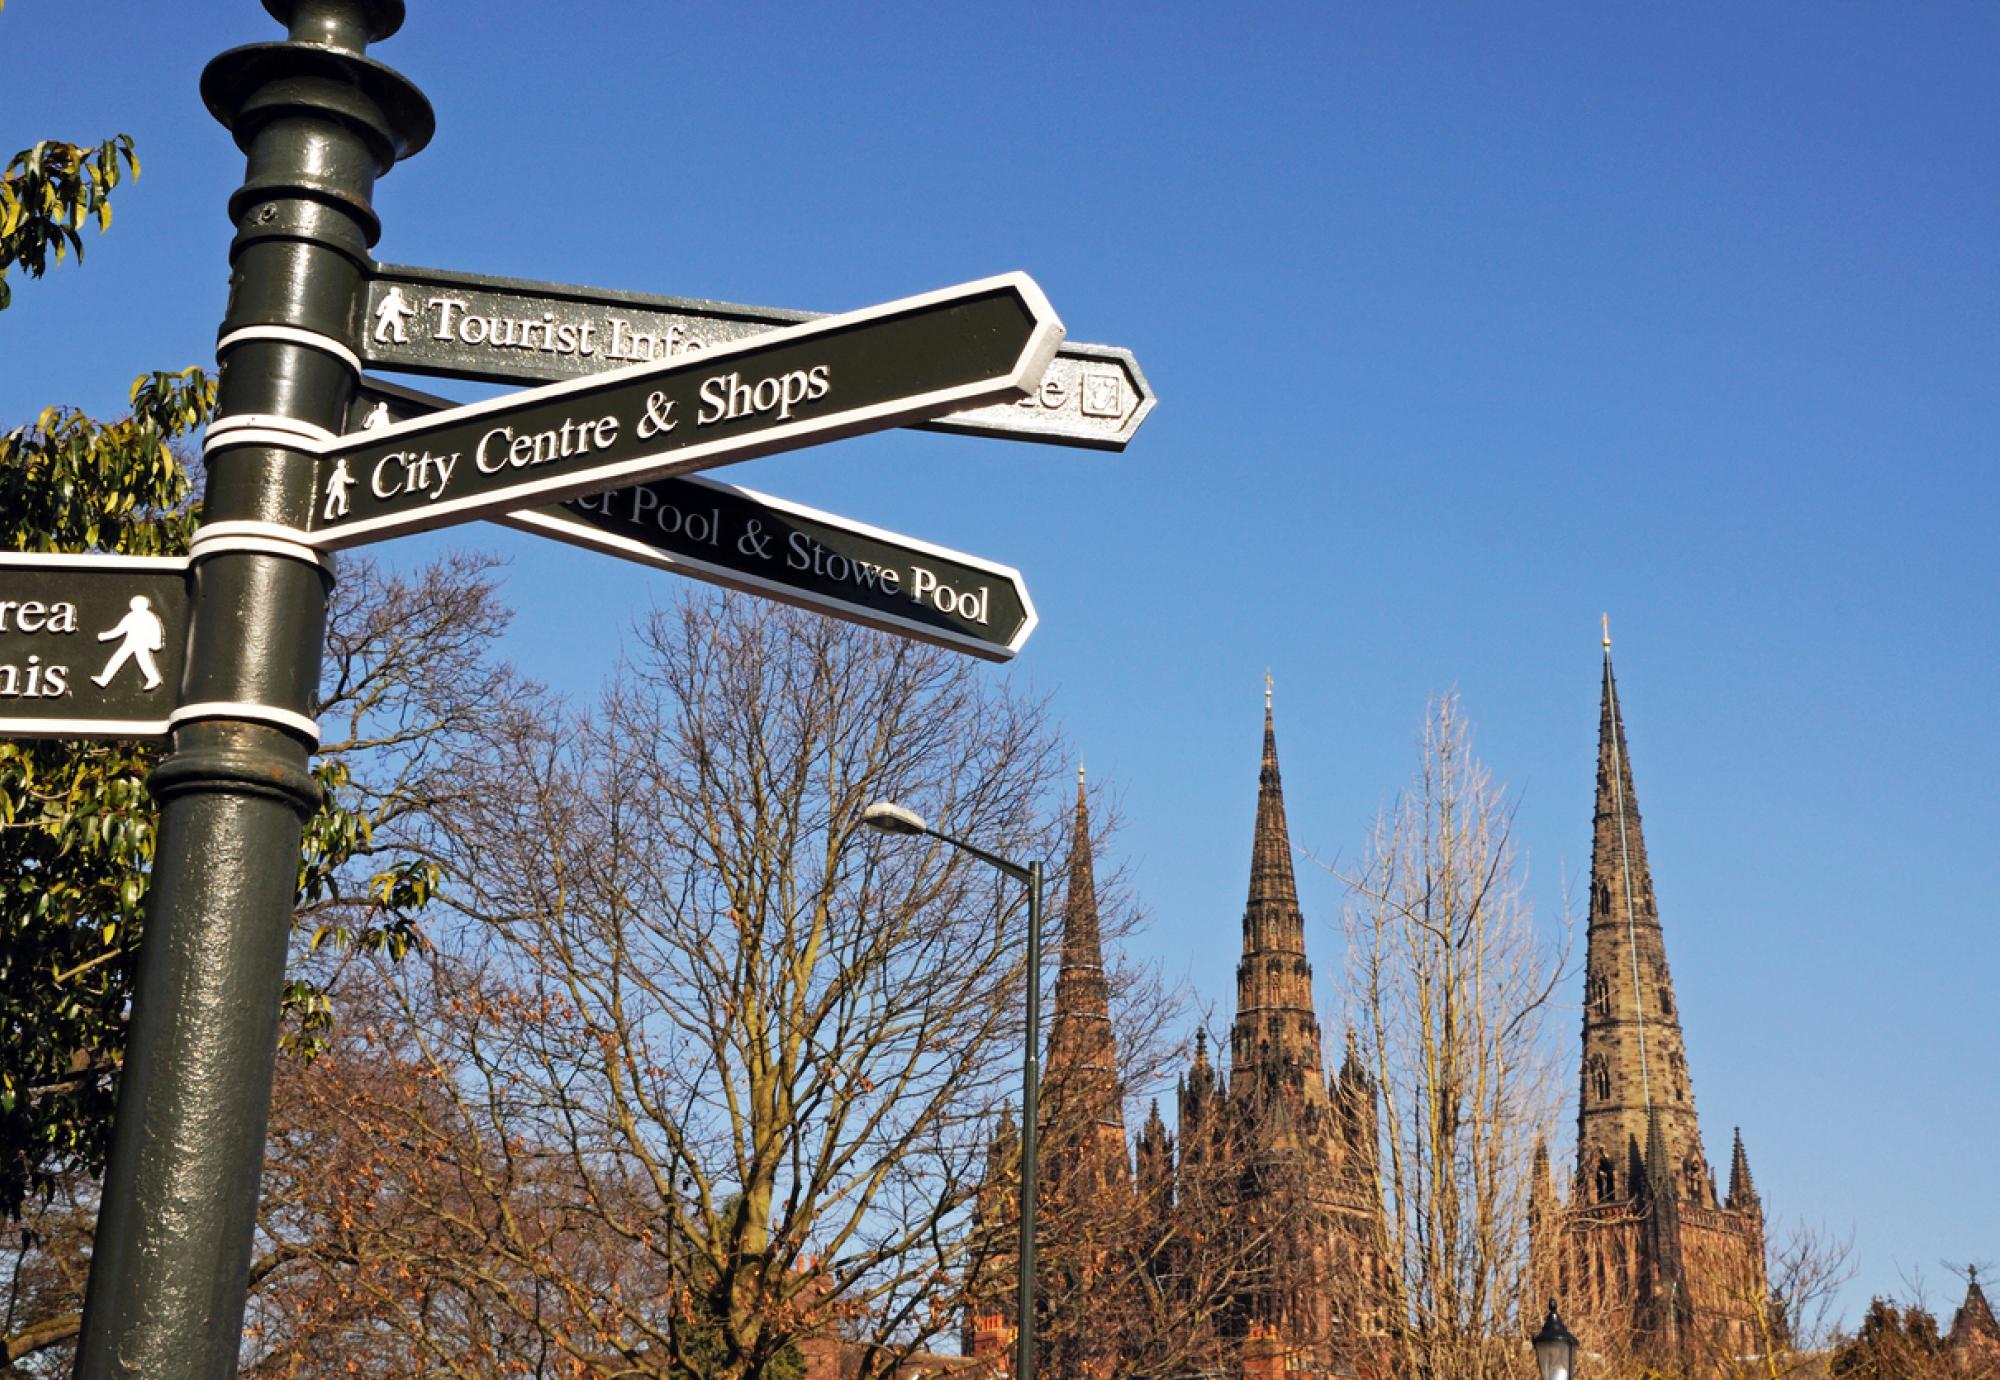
<point>1634,1060</point>
<point>1081,1098</point>
<point>1275,1036</point>
<point>1643,1256</point>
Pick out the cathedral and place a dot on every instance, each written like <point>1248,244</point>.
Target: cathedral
<point>1645,1257</point>
<point>1261,1213</point>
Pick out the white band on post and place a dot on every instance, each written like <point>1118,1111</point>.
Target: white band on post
<point>267,538</point>
<point>291,335</point>
<point>269,421</point>
<point>256,713</point>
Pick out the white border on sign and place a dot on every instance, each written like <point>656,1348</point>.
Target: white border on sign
<point>83,728</point>
<point>89,728</point>
<point>55,560</point>
<point>1037,352</point>
<point>583,535</point>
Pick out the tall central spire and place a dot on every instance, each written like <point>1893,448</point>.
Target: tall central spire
<point>1634,1059</point>
<point>1275,1028</point>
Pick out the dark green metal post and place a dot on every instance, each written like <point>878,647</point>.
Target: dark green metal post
<point>318,122</point>
<point>1031,1115</point>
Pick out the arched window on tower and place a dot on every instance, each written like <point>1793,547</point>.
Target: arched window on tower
<point>1691,1173</point>
<point>1607,1179</point>
<point>1600,1078</point>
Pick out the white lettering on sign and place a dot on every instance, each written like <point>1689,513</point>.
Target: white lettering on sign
<point>457,321</point>
<point>727,397</point>
<point>399,472</point>
<point>971,605</point>
<point>32,616</point>
<point>803,553</point>
<point>35,679</point>
<point>626,343</point>
<point>641,505</point>
<point>540,447</point>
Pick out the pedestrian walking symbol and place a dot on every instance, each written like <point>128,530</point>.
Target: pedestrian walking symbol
<point>392,318</point>
<point>337,485</point>
<point>143,634</point>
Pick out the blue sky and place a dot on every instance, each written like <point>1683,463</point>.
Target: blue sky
<point>1468,323</point>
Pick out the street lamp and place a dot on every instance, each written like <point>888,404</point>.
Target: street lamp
<point>892,818</point>
<point>1555,1348</point>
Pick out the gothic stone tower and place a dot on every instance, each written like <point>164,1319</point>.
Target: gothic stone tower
<point>1645,1256</point>
<point>1082,1106</point>
<point>1085,1181</point>
<point>1299,1152</point>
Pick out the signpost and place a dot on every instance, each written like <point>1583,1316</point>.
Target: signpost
<point>221,651</point>
<point>799,555</point>
<point>506,330</point>
<point>817,381</point>
<point>91,646</point>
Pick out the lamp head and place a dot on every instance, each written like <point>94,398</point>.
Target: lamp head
<point>1555,1348</point>
<point>892,818</point>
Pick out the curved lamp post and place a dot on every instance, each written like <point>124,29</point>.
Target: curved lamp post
<point>892,818</point>
<point>1555,1348</point>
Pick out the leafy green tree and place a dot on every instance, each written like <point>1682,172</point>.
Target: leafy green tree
<point>49,194</point>
<point>76,822</point>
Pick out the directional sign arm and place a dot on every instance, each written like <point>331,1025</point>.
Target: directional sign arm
<point>798,555</point>
<point>510,330</point>
<point>835,376</point>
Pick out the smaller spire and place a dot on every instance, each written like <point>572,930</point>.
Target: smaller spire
<point>1742,1189</point>
<point>1541,1178</point>
<point>1975,1334</point>
<point>1660,1179</point>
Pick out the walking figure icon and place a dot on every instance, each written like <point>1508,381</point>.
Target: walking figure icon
<point>337,485</point>
<point>143,634</point>
<point>392,318</point>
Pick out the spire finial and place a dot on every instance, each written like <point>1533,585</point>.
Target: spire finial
<point>1607,632</point>
<point>1079,770</point>
<point>1267,690</point>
